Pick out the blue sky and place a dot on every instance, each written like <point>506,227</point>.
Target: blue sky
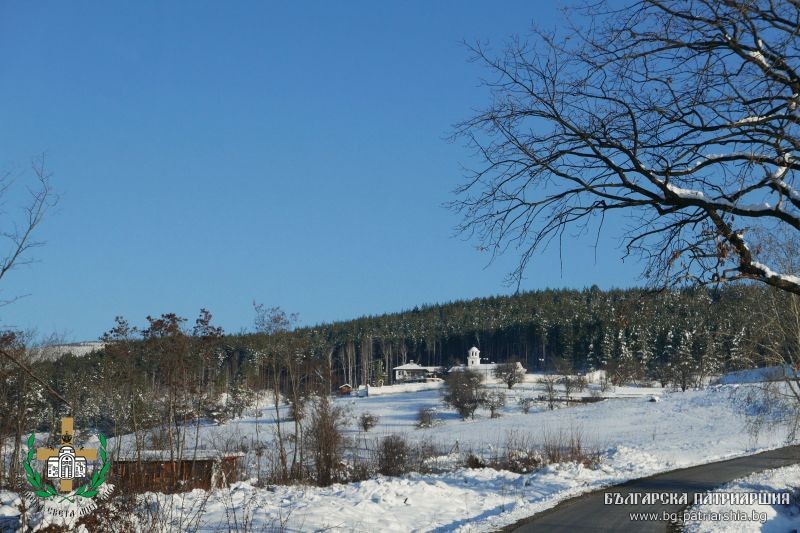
<point>211,154</point>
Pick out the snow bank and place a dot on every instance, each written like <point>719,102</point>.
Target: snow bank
<point>9,512</point>
<point>462,500</point>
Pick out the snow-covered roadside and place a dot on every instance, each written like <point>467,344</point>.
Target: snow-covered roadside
<point>737,518</point>
<point>463,500</point>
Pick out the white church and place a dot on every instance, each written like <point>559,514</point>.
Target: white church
<point>474,364</point>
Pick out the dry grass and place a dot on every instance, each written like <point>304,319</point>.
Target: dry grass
<point>523,454</point>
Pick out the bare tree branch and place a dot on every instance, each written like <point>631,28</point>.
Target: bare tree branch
<point>17,234</point>
<point>17,238</point>
<point>685,116</point>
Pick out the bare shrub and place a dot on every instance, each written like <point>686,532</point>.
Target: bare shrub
<point>520,454</point>
<point>494,401</point>
<point>114,513</point>
<point>550,390</point>
<point>523,461</point>
<point>563,447</point>
<point>425,457</point>
<point>164,512</point>
<point>510,373</point>
<point>426,417</point>
<point>362,468</point>
<point>526,404</point>
<point>326,440</point>
<point>394,456</point>
<point>473,461</point>
<point>368,421</point>
<point>570,384</point>
<point>767,405</point>
<point>605,383</point>
<point>779,313</point>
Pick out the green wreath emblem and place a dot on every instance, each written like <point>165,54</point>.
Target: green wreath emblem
<point>45,490</point>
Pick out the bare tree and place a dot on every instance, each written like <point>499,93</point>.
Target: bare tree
<point>683,115</point>
<point>550,381</point>
<point>510,373</point>
<point>287,360</point>
<point>15,396</point>
<point>16,240</point>
<point>779,313</point>
<point>273,352</point>
<point>17,232</point>
<point>17,236</point>
<point>494,400</point>
<point>131,406</point>
<point>463,392</point>
<point>166,354</point>
<point>570,383</point>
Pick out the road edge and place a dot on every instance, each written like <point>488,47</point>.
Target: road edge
<point>672,528</point>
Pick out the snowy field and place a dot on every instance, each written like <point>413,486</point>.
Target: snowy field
<point>677,430</point>
<point>636,432</point>
<point>766,518</point>
<point>636,437</point>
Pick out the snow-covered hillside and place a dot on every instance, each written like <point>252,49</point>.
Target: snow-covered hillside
<point>78,349</point>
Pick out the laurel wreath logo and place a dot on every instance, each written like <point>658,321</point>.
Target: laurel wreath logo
<point>46,491</point>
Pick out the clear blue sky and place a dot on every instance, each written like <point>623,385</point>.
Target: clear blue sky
<point>209,154</point>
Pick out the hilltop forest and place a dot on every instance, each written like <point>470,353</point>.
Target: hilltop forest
<point>167,372</point>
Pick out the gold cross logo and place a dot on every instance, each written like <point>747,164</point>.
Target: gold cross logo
<point>65,462</point>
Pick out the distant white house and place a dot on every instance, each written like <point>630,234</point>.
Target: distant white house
<point>412,372</point>
<point>474,364</point>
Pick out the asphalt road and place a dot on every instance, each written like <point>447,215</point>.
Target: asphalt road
<point>590,513</point>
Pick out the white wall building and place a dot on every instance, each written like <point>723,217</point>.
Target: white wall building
<point>474,364</point>
<point>412,372</point>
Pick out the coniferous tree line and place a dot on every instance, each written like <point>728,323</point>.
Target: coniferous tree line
<point>634,333</point>
<point>167,373</point>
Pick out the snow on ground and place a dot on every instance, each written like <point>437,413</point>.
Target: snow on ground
<point>8,505</point>
<point>680,429</point>
<point>756,375</point>
<point>634,436</point>
<point>55,351</point>
<point>766,518</point>
<point>463,500</point>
